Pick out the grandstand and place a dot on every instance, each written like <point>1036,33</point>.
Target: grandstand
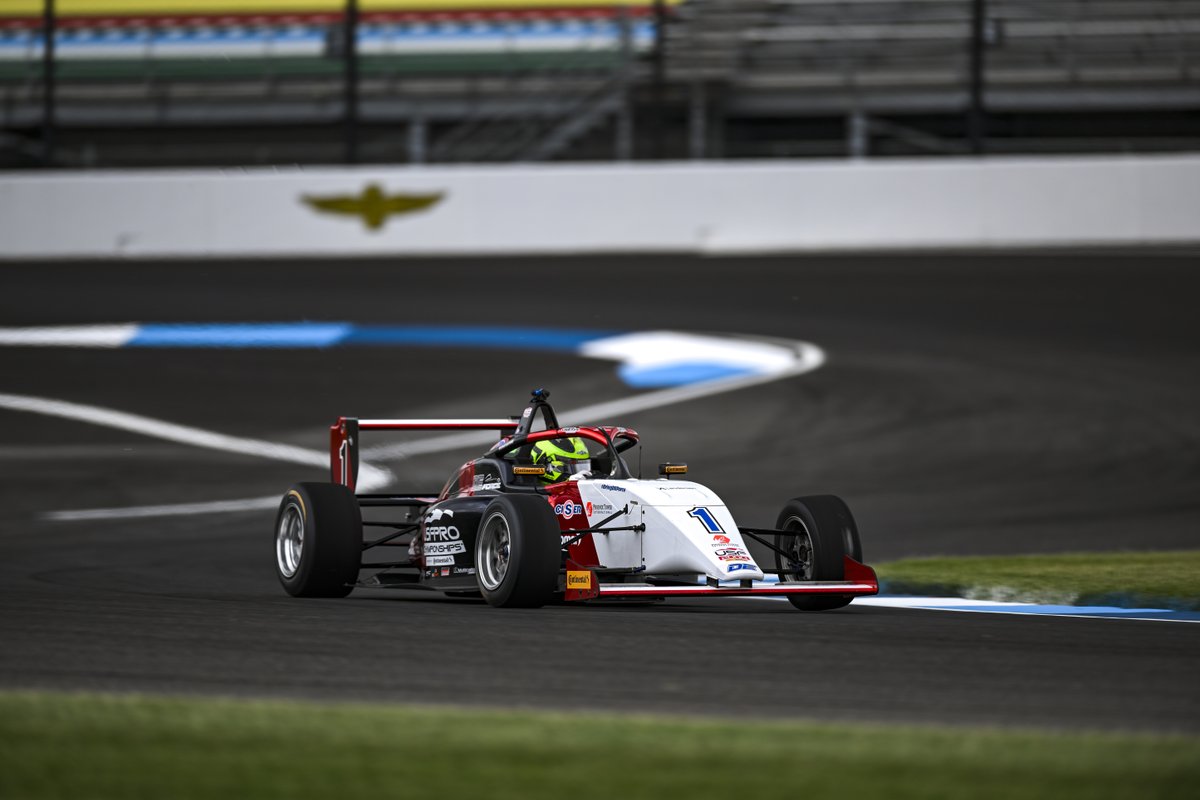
<point>216,82</point>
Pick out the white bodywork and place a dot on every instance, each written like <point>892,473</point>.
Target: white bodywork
<point>688,529</point>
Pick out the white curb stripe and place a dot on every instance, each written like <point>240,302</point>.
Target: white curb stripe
<point>70,336</point>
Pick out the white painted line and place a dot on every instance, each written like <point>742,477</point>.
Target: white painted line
<point>370,477</point>
<point>158,429</point>
<point>177,510</point>
<point>69,336</point>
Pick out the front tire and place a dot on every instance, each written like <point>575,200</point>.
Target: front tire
<point>318,540</point>
<point>517,552</point>
<point>826,533</point>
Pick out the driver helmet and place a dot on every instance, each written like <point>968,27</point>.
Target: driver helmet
<point>561,458</point>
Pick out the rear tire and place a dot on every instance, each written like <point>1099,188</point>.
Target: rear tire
<point>318,540</point>
<point>517,552</point>
<point>828,533</point>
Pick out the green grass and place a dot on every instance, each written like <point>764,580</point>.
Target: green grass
<point>1170,579</point>
<point>64,745</point>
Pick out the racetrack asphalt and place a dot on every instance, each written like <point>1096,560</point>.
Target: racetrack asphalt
<point>971,404</point>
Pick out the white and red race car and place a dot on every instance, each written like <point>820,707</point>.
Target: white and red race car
<point>500,530</point>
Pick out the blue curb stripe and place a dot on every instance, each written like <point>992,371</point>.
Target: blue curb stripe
<point>679,374</point>
<point>1084,611</point>
<point>296,334</point>
<point>491,337</point>
<point>329,334</point>
<point>470,336</point>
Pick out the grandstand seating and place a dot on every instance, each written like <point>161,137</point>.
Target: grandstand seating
<point>531,81</point>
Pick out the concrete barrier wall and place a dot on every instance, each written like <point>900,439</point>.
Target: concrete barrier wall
<point>704,208</point>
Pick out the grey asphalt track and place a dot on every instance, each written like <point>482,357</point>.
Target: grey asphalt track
<point>971,404</point>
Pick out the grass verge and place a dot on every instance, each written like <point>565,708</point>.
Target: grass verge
<point>98,746</point>
<point>1160,580</point>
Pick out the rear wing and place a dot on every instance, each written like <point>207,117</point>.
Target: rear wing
<point>343,438</point>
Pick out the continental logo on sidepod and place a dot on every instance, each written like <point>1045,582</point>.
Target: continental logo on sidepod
<point>579,580</point>
<point>372,206</point>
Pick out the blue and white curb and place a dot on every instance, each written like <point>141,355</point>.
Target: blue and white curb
<point>648,359</point>
<point>996,607</point>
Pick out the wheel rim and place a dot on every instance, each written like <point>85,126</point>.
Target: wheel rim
<point>289,540</point>
<point>799,550</point>
<point>493,551</point>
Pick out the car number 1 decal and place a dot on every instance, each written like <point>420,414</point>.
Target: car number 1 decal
<point>706,519</point>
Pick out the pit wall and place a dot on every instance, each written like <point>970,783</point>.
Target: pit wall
<point>709,208</point>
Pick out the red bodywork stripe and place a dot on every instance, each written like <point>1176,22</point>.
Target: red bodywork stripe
<point>582,552</point>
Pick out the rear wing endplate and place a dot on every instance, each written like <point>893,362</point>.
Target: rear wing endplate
<point>343,438</point>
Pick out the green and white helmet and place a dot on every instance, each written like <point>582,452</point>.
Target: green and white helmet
<point>562,458</point>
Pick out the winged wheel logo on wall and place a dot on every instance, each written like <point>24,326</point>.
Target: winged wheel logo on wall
<point>372,205</point>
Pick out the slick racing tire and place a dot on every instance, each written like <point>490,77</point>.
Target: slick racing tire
<point>318,540</point>
<point>517,552</point>
<point>825,533</point>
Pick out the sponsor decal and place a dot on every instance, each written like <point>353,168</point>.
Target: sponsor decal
<point>464,570</point>
<point>744,557</point>
<point>608,487</point>
<point>579,579</point>
<point>739,567</point>
<point>568,509</point>
<point>441,533</point>
<point>372,205</point>
<point>443,540</point>
<point>566,537</point>
<point>444,548</point>
<point>590,508</point>
<point>445,571</point>
<point>437,513</point>
<point>730,551</point>
<point>570,429</point>
<point>485,482</point>
<point>528,470</point>
<point>526,412</point>
<point>439,561</point>
<point>720,538</point>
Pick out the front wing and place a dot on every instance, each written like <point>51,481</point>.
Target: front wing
<point>860,580</point>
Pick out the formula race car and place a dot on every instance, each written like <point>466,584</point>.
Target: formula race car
<point>555,514</point>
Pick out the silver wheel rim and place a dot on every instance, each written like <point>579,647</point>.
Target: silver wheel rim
<point>800,550</point>
<point>493,551</point>
<point>289,540</point>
